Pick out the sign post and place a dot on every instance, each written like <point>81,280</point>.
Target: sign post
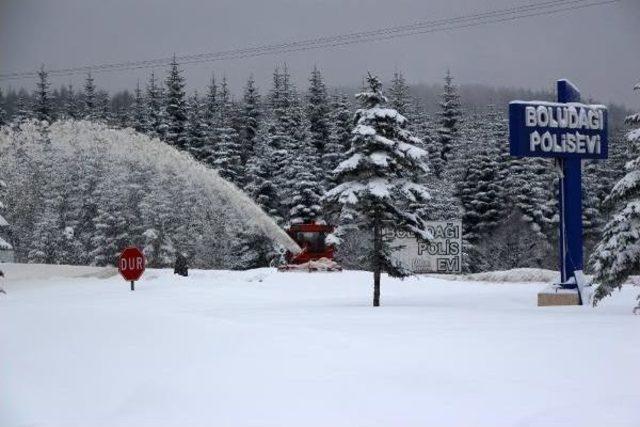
<point>569,132</point>
<point>131,265</point>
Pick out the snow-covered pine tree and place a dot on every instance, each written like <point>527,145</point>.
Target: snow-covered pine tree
<point>307,190</point>
<point>176,107</point>
<point>340,137</point>
<point>260,176</point>
<point>42,107</point>
<point>211,103</point>
<point>196,128</point>
<point>304,174</point>
<point>89,101</point>
<point>482,198</point>
<point>532,192</point>
<point>399,94</point>
<point>211,118</point>
<point>227,158</point>
<point>448,129</point>
<point>318,116</point>
<point>70,108</point>
<point>139,116</point>
<point>103,106</point>
<point>155,109</point>
<point>378,183</point>
<point>283,137</point>
<point>616,257</point>
<point>599,178</point>
<point>109,225</point>
<point>45,231</point>
<point>260,169</point>
<point>121,109</point>
<point>23,110</point>
<point>606,173</point>
<point>251,250</point>
<point>592,215</point>
<point>3,111</point>
<point>250,120</point>
<point>480,195</point>
<point>58,97</point>
<point>4,224</point>
<point>120,221</point>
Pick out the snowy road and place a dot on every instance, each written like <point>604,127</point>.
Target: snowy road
<point>262,348</point>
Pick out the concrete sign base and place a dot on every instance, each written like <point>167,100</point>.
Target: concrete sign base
<point>555,295</point>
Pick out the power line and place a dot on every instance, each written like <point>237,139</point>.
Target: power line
<point>387,33</point>
<point>340,40</point>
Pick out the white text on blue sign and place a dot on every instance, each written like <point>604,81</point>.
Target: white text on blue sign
<point>558,130</point>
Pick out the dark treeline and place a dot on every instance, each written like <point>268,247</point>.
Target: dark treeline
<point>281,145</point>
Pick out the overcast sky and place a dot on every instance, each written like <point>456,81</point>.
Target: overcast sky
<point>598,48</point>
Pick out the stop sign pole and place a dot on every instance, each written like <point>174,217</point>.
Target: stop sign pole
<point>131,264</point>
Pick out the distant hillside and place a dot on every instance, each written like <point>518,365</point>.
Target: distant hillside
<point>478,96</point>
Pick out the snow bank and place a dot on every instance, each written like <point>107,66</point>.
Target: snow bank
<point>517,275</point>
<point>29,272</point>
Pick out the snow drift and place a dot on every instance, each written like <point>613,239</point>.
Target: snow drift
<point>78,192</point>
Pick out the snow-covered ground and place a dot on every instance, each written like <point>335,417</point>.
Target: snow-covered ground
<point>263,348</point>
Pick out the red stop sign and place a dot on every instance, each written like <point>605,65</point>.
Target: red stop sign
<point>131,263</point>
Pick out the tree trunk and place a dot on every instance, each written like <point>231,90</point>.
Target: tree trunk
<point>377,249</point>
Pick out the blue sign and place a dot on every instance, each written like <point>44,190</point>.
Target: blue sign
<point>555,129</point>
<point>568,131</point>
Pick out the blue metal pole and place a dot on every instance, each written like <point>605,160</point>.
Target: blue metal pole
<point>570,238</point>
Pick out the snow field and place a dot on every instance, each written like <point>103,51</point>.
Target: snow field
<point>263,348</point>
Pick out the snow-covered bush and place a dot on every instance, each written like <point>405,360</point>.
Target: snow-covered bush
<point>78,192</point>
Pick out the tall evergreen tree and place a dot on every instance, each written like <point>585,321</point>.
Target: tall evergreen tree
<point>120,109</point>
<point>340,136</point>
<point>23,110</point>
<point>275,95</point>
<point>103,107</point>
<point>399,94</point>
<point>196,128</point>
<point>228,151</point>
<point>70,107</point>
<point>480,195</point>
<point>155,109</point>
<point>3,111</point>
<point>532,192</point>
<point>4,244</point>
<point>211,104</point>
<point>377,184</point>
<point>448,129</point>
<point>42,107</point>
<point>318,116</point>
<point>260,176</point>
<point>139,116</point>
<point>110,226</point>
<point>176,107</point>
<point>592,214</point>
<point>285,122</point>
<point>616,256</point>
<point>250,120</point>
<point>211,117</point>
<point>89,98</point>
<point>305,203</point>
